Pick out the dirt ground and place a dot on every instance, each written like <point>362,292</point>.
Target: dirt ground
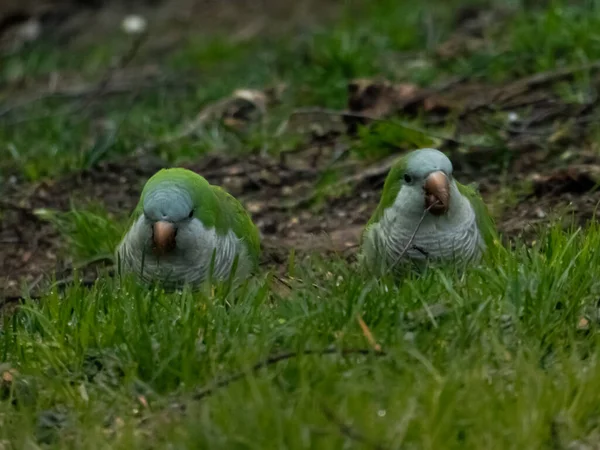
<point>528,151</point>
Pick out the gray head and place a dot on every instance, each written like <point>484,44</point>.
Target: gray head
<point>425,161</point>
<point>427,182</point>
<point>168,207</point>
<point>168,201</point>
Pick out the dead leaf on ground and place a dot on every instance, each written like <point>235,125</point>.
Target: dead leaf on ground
<point>574,179</point>
<point>8,376</point>
<point>377,98</point>
<point>459,45</point>
<point>471,23</point>
<point>243,107</point>
<point>583,324</point>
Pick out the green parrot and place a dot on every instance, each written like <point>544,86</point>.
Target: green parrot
<point>456,227</point>
<point>183,229</point>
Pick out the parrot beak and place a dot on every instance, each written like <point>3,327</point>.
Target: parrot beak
<point>437,193</point>
<point>163,236</point>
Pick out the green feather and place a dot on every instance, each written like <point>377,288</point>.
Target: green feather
<point>214,207</point>
<point>239,221</point>
<point>485,222</point>
<point>391,187</point>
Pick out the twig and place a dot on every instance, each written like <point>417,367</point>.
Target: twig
<point>508,92</point>
<point>334,112</point>
<point>282,281</point>
<point>28,101</point>
<point>412,238</point>
<point>84,90</point>
<point>91,93</point>
<point>349,432</point>
<point>542,78</point>
<point>512,129</point>
<point>122,62</point>
<point>28,212</point>
<point>218,384</point>
<point>367,332</point>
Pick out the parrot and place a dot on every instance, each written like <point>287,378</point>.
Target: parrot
<point>424,215</point>
<point>184,229</point>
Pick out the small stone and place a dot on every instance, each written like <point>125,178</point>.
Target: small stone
<point>512,117</point>
<point>134,24</point>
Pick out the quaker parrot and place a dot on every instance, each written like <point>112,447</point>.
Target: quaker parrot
<point>457,226</point>
<point>185,229</point>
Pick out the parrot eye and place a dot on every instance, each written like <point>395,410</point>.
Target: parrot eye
<point>407,178</point>
<point>191,214</point>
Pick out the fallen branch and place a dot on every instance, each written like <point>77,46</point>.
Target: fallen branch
<point>350,432</point>
<point>121,63</point>
<point>272,360</point>
<point>86,89</point>
<point>91,94</point>
<point>552,76</point>
<point>508,92</point>
<point>348,114</point>
<point>26,211</point>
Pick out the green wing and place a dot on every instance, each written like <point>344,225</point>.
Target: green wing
<point>391,187</point>
<point>238,219</point>
<point>485,222</point>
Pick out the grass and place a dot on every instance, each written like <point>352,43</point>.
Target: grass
<point>88,234</point>
<point>511,365</point>
<point>507,367</point>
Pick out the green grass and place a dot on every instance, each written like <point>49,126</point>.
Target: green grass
<point>117,366</point>
<point>88,234</point>
<point>564,34</point>
<point>506,368</point>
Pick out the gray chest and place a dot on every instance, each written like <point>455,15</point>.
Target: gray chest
<point>437,238</point>
<point>200,253</point>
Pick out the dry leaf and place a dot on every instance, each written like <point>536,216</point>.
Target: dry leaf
<point>379,98</point>
<point>574,179</point>
<point>459,45</point>
<point>368,335</point>
<point>243,107</point>
<point>583,324</point>
<point>7,377</point>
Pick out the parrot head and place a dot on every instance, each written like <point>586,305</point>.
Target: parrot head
<point>426,183</point>
<point>169,209</point>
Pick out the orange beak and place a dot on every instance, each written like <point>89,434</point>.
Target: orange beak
<point>163,237</point>
<point>437,193</point>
